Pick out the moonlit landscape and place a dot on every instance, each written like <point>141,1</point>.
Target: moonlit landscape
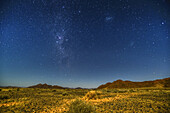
<point>70,49</point>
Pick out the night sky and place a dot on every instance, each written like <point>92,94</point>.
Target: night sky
<point>83,42</point>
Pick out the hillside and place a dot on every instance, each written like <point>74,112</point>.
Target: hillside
<point>46,86</point>
<point>130,84</point>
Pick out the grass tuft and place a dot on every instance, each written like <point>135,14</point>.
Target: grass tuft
<point>79,106</point>
<point>91,95</point>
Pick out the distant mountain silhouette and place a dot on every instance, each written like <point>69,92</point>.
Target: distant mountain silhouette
<point>116,84</point>
<point>10,87</point>
<point>46,86</point>
<point>129,84</point>
<point>79,88</point>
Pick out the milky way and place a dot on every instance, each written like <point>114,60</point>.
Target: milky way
<point>83,42</point>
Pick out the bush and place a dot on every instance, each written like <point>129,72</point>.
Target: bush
<point>131,90</point>
<point>18,89</point>
<point>115,91</point>
<point>91,95</point>
<point>2,97</point>
<point>108,91</point>
<point>65,94</point>
<point>54,90</point>
<point>78,106</point>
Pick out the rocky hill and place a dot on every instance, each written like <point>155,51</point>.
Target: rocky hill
<point>46,86</point>
<point>130,84</point>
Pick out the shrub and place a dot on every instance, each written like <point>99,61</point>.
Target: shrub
<point>18,89</point>
<point>79,106</point>
<point>91,95</point>
<point>54,90</point>
<point>131,90</point>
<point>108,91</point>
<point>2,97</point>
<point>115,91</point>
<point>65,94</point>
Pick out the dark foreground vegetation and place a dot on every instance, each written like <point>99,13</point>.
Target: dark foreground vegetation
<point>20,100</point>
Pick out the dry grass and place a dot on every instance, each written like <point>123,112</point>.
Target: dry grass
<point>104,101</point>
<point>92,95</point>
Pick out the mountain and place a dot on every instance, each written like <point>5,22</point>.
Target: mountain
<point>10,87</point>
<point>130,84</point>
<point>46,86</point>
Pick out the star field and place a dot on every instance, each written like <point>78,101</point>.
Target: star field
<point>83,42</point>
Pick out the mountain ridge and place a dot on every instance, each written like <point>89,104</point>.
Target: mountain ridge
<point>130,84</point>
<point>165,82</point>
<point>46,86</point>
